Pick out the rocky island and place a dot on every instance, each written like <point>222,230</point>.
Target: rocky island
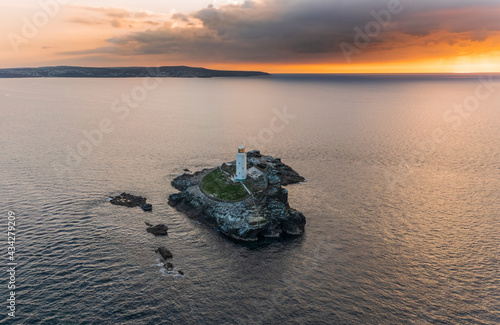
<point>248,209</point>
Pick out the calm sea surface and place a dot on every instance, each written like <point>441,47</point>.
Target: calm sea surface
<point>402,200</point>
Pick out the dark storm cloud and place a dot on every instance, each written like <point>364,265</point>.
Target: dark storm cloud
<point>302,30</point>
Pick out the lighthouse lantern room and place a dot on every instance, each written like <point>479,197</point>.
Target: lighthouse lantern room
<point>241,164</point>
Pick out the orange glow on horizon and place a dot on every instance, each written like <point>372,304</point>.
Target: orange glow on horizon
<point>451,65</point>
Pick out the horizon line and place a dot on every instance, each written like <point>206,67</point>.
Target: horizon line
<point>271,73</point>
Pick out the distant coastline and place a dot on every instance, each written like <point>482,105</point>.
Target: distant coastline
<point>123,72</point>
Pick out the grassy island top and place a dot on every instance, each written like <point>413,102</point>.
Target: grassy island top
<point>219,184</point>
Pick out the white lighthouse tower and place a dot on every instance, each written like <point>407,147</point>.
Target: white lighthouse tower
<point>241,164</point>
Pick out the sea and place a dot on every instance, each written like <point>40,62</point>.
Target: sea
<point>401,199</point>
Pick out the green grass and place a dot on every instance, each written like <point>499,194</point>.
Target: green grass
<point>220,186</point>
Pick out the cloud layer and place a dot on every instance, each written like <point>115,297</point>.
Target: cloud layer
<point>275,31</point>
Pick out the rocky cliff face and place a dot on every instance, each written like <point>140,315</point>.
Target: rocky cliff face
<point>264,214</point>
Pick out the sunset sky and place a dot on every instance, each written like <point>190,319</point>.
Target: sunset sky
<point>277,36</point>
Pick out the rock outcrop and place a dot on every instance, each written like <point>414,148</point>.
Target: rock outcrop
<point>264,214</point>
<point>286,174</point>
<point>131,201</point>
<point>164,253</point>
<point>158,230</point>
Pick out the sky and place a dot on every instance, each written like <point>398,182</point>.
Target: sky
<point>277,36</point>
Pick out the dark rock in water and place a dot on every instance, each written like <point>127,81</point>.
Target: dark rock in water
<point>148,224</point>
<point>147,207</point>
<point>264,214</point>
<point>128,200</point>
<point>158,230</point>
<point>164,253</point>
<point>180,272</point>
<point>169,266</point>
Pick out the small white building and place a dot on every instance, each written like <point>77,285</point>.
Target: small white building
<point>241,164</point>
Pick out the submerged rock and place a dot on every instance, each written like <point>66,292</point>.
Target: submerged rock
<point>158,230</point>
<point>164,253</point>
<point>263,214</point>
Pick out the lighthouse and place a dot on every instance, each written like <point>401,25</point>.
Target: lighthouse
<point>241,164</point>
